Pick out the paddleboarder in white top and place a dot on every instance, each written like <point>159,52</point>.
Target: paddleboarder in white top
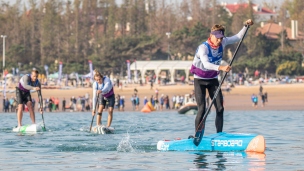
<point>206,68</point>
<point>103,89</point>
<point>27,82</point>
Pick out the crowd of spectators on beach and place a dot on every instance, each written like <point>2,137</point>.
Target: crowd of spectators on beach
<point>84,103</point>
<point>137,102</point>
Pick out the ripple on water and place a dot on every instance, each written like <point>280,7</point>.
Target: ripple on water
<point>68,145</point>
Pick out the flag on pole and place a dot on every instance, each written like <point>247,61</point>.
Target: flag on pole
<point>59,73</point>
<point>13,71</point>
<point>135,71</point>
<point>129,71</point>
<point>66,79</point>
<point>46,68</point>
<point>77,79</point>
<point>91,70</point>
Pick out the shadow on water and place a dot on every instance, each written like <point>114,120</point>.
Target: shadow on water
<point>229,160</point>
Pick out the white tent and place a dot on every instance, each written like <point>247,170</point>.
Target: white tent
<point>87,75</point>
<point>9,75</point>
<point>157,66</point>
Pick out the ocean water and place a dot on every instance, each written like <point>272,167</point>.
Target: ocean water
<point>67,144</point>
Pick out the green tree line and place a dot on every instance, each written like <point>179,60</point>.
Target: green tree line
<point>47,32</point>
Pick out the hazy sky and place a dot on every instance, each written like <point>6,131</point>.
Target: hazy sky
<point>219,1</point>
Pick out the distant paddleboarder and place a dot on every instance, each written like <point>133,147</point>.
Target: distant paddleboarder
<point>27,82</point>
<point>206,67</point>
<point>103,89</point>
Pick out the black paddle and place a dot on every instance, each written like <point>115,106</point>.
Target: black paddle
<point>95,111</point>
<point>201,127</point>
<point>41,108</point>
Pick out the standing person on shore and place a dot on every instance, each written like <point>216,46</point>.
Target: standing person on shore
<point>265,94</point>
<point>117,101</point>
<point>151,84</point>
<point>137,100</point>
<point>87,96</point>
<point>63,104</point>
<point>206,67</point>
<point>122,103</point>
<point>145,100</point>
<point>173,101</point>
<point>133,101</point>
<point>167,102</point>
<point>6,105</point>
<point>103,89</point>
<point>27,82</point>
<point>263,100</point>
<point>261,89</point>
<point>162,101</point>
<point>254,100</point>
<point>11,101</point>
<point>177,102</point>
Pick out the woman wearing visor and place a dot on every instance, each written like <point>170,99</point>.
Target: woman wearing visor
<point>206,67</point>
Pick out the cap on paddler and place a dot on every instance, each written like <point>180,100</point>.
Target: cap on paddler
<point>218,33</point>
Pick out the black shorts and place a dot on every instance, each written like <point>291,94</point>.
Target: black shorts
<point>22,97</point>
<point>103,100</point>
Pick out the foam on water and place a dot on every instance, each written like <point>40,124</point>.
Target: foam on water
<point>125,145</point>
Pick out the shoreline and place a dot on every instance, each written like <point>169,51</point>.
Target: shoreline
<point>280,96</point>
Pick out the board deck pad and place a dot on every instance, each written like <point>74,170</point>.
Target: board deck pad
<point>103,130</point>
<point>29,128</point>
<point>217,142</point>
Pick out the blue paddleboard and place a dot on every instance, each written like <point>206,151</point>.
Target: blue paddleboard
<point>217,142</point>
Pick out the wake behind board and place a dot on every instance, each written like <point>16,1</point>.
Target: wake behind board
<point>30,128</point>
<point>102,130</point>
<point>217,142</point>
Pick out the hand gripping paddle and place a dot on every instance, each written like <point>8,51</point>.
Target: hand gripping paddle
<point>41,107</point>
<point>95,111</point>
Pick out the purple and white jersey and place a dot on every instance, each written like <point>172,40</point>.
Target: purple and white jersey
<point>207,60</point>
<point>106,87</point>
<point>25,83</point>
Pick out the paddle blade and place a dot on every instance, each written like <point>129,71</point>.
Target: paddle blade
<point>42,126</point>
<point>199,133</point>
<point>198,137</point>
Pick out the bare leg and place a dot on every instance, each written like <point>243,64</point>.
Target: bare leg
<point>100,109</point>
<point>110,116</point>
<point>31,110</point>
<point>20,114</point>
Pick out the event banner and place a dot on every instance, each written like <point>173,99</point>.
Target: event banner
<point>91,70</point>
<point>129,71</point>
<point>59,73</point>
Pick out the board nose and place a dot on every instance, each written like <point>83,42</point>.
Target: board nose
<point>257,144</point>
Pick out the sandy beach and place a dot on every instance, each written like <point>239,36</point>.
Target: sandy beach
<point>280,96</point>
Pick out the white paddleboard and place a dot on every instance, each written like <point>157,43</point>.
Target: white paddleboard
<point>102,130</point>
<point>30,128</point>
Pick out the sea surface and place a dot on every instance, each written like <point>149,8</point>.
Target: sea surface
<point>68,145</point>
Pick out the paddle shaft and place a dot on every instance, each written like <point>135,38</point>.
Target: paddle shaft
<point>41,107</point>
<point>95,112</point>
<point>202,123</point>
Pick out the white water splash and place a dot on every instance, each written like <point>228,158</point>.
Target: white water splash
<point>125,145</point>
<point>84,128</point>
